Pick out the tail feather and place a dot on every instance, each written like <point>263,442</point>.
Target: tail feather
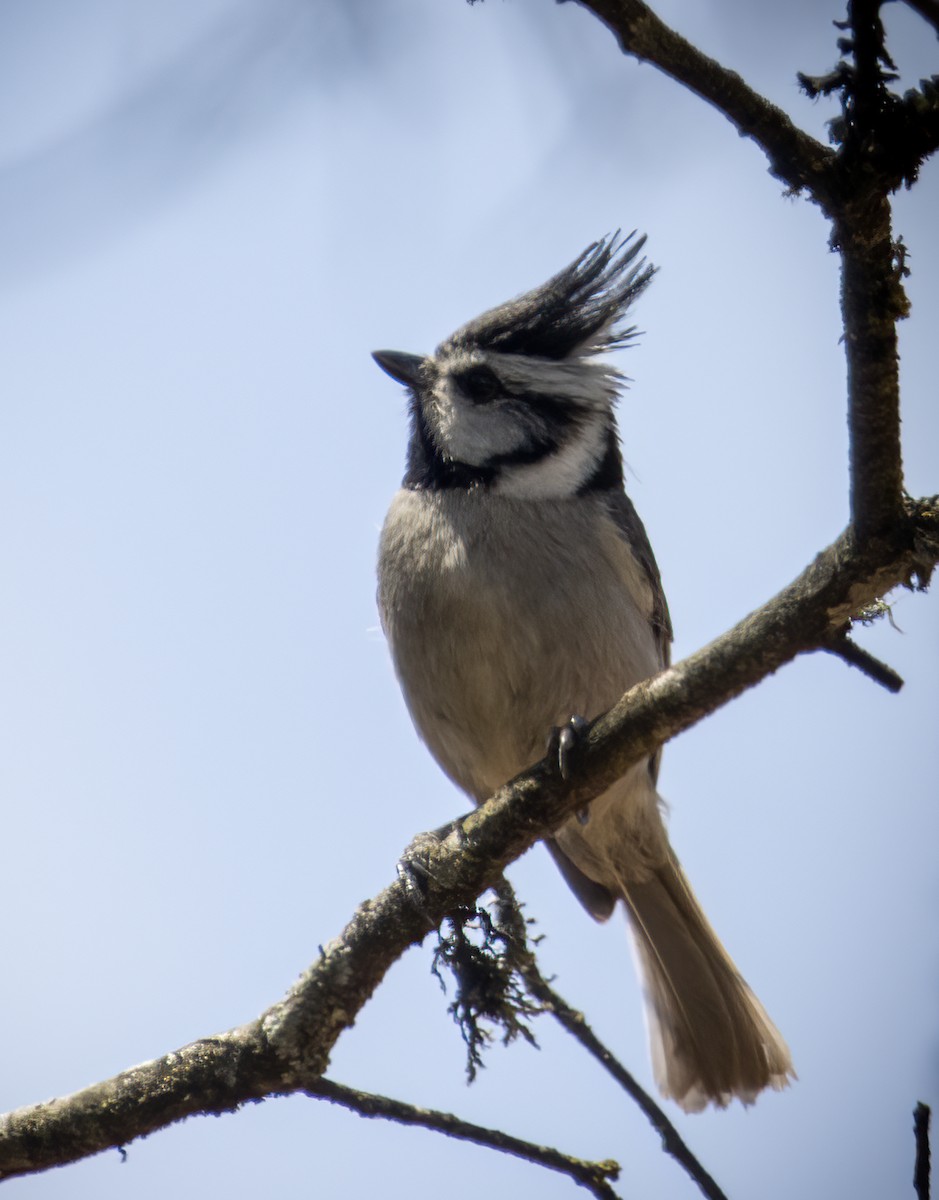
<point>711,1039</point>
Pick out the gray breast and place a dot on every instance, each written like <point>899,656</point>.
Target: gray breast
<point>504,617</point>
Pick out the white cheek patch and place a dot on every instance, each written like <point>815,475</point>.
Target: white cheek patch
<point>559,474</point>
<point>498,431</point>
<point>471,433</point>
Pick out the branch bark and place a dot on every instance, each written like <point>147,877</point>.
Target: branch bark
<point>576,1025</point>
<point>892,541</point>
<point>923,1163</point>
<point>928,10</point>
<point>287,1049</point>
<point>795,158</point>
<point>594,1176</point>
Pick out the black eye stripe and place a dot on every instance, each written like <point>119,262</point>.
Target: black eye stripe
<point>478,383</point>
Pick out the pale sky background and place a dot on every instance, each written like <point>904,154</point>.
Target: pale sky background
<point>209,215</point>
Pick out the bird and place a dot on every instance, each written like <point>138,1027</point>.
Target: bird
<point>519,594</point>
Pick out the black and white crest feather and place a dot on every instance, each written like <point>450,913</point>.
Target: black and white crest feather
<point>518,400</point>
<point>577,310</point>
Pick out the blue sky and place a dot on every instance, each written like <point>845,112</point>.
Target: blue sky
<point>209,216</point>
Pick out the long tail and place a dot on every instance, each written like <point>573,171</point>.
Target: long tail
<point>711,1039</point>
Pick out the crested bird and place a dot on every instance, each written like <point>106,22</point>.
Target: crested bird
<point>518,591</point>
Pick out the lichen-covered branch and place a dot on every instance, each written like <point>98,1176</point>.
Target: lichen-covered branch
<point>872,297</point>
<point>794,156</point>
<point>288,1048</point>
<point>872,301</point>
<point>576,1025</point>
<point>881,143</point>
<point>212,1075</point>
<point>892,541</point>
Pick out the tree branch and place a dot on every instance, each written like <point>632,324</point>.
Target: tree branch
<point>921,1169</point>
<point>872,297</point>
<point>212,1075</point>
<point>870,308</point>
<point>576,1025</point>
<point>928,10</point>
<point>891,541</point>
<point>290,1044</point>
<point>794,157</point>
<point>917,125</point>
<point>594,1176</point>
<point>855,656</point>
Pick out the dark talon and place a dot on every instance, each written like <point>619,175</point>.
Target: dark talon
<point>562,741</point>
<point>568,737</point>
<point>413,869</point>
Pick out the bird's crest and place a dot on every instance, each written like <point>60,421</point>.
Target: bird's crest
<point>578,311</point>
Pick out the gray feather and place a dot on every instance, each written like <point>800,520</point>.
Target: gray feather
<point>517,587</point>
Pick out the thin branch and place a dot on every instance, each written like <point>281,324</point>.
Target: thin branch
<point>851,192</point>
<point>891,542</point>
<point>576,1025</point>
<point>928,10</point>
<point>291,1043</point>
<point>594,1176</point>
<point>873,668</point>
<point>921,1169</point>
<point>794,156</point>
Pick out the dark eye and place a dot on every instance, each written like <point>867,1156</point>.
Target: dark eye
<point>479,383</point>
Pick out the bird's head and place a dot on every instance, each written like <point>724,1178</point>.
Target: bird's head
<point>519,400</point>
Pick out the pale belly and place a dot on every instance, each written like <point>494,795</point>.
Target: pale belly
<point>504,618</point>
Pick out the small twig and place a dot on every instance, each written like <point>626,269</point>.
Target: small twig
<point>928,10</point>
<point>872,667</point>
<point>921,1169</point>
<point>292,1041</point>
<point>575,1024</point>
<point>594,1176</point>
<point>794,156</point>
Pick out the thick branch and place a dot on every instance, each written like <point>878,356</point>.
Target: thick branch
<point>794,157</point>
<point>872,300</point>
<point>923,1164</point>
<point>213,1075</point>
<point>290,1045</point>
<point>592,1175</point>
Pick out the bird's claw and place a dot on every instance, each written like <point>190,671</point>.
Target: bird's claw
<point>562,741</point>
<point>568,736</point>
<point>413,867</point>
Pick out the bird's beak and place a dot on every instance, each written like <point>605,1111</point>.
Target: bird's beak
<point>405,368</point>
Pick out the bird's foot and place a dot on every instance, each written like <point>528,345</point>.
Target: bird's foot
<point>562,741</point>
<point>414,868</point>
